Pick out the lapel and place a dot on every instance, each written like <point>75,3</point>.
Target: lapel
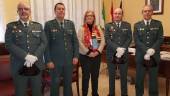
<point>147,28</point>
<point>20,25</point>
<point>152,23</point>
<point>122,24</point>
<point>66,24</point>
<point>115,26</point>
<point>31,26</point>
<point>143,24</point>
<point>56,24</point>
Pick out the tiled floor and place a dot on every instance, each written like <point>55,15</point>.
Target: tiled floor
<point>103,85</point>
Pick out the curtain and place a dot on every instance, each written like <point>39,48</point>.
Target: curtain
<point>2,26</point>
<point>43,10</point>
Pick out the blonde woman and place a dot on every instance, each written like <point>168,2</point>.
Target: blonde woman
<point>91,44</point>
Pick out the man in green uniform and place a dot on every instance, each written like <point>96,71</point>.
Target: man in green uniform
<point>62,51</point>
<point>148,35</point>
<point>118,36</point>
<point>26,42</point>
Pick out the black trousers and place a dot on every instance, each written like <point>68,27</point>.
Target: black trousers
<point>21,84</point>
<point>56,74</point>
<point>90,68</point>
<point>123,77</point>
<point>153,80</point>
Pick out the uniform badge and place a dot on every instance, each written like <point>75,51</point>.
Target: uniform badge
<point>154,28</point>
<point>36,31</point>
<point>111,36</point>
<point>141,29</point>
<point>112,29</point>
<point>70,30</point>
<point>15,29</point>
<point>124,29</point>
<point>54,30</point>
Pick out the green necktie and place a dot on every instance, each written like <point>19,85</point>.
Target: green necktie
<point>25,25</point>
<point>118,25</point>
<point>61,25</point>
<point>147,23</point>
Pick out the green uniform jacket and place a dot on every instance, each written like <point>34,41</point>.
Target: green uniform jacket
<point>117,37</point>
<point>22,40</point>
<point>145,39</point>
<point>62,44</point>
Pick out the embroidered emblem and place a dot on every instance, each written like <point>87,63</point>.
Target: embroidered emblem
<point>36,30</point>
<point>154,28</point>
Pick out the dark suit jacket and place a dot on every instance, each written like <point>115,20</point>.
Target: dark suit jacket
<point>146,38</point>
<point>20,41</point>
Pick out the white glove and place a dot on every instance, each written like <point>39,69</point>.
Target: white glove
<point>147,57</point>
<point>150,51</point>
<point>120,50</point>
<point>118,55</point>
<point>27,64</point>
<point>31,58</point>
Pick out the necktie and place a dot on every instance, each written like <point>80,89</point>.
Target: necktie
<point>61,25</point>
<point>147,23</point>
<point>147,26</point>
<point>25,25</point>
<point>118,25</point>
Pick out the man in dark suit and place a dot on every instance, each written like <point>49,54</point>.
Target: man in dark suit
<point>26,42</point>
<point>148,35</point>
<point>62,51</point>
<point>118,36</point>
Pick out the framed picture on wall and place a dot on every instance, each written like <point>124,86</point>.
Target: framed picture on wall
<point>157,5</point>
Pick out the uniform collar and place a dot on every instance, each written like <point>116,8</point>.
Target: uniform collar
<point>118,23</point>
<point>24,22</point>
<point>59,22</point>
<point>145,21</point>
